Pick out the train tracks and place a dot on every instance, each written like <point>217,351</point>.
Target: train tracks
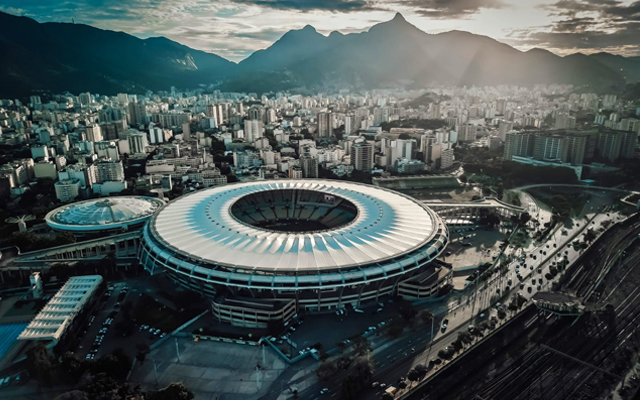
<point>577,356</point>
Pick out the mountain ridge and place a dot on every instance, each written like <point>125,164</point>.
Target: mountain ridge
<point>76,57</point>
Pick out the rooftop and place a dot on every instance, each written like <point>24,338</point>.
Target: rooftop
<point>52,321</point>
<point>294,225</point>
<point>112,212</point>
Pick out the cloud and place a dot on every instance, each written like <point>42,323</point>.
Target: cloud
<point>441,9</point>
<point>312,5</point>
<point>587,26</point>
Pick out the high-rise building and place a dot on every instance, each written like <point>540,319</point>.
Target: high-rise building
<point>256,113</point>
<point>109,171</point>
<point>309,165</point>
<point>576,148</point>
<point>186,131</point>
<point>349,124</point>
<point>433,156</point>
<point>362,156</point>
<point>405,148</point>
<point>613,145</point>
<point>564,121</point>
<point>270,116</point>
<point>137,141</point>
<point>295,172</point>
<point>67,190</point>
<point>84,99</point>
<point>94,134</point>
<point>503,128</point>
<point>137,114</point>
<point>253,129</point>
<point>609,100</point>
<point>446,159</point>
<point>518,144</point>
<point>156,134</point>
<point>549,148</point>
<point>325,124</point>
<point>467,132</point>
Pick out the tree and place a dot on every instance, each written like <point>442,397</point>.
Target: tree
<point>364,368</point>
<point>413,376</point>
<point>39,364</point>
<point>525,217</point>
<point>465,337</point>
<point>389,396</point>
<point>101,387</point>
<point>463,178</point>
<point>326,369</point>
<point>64,238</point>
<point>115,365</point>
<point>71,367</point>
<point>175,391</point>
<point>362,345</point>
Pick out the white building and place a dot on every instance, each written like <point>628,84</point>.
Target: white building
<point>54,319</point>
<point>253,129</point>
<point>67,190</point>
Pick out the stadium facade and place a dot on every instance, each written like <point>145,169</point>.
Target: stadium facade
<point>268,250</point>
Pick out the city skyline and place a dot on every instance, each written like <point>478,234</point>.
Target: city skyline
<point>234,29</point>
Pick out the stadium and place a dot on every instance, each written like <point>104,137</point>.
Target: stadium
<point>104,216</point>
<point>268,250</point>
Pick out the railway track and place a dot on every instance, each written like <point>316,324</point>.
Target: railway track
<point>539,374</point>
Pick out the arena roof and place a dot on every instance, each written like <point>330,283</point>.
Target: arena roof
<point>53,320</point>
<point>104,213</point>
<point>202,227</point>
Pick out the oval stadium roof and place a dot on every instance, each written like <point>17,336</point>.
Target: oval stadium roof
<point>201,227</point>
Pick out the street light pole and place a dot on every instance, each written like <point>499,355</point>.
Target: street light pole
<point>177,350</point>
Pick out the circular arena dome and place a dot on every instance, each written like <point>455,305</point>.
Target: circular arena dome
<point>322,243</point>
<point>104,214</point>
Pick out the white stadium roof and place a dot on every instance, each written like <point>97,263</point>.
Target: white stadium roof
<point>201,227</point>
<point>52,321</point>
<point>104,213</point>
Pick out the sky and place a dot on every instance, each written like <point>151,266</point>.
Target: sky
<point>235,28</point>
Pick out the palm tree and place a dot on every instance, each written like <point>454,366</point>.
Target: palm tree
<point>21,220</point>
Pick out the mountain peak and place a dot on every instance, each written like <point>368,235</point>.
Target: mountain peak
<point>396,26</point>
<point>399,18</point>
<point>308,28</point>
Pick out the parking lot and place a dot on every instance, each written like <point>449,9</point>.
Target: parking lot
<point>108,328</point>
<point>330,329</point>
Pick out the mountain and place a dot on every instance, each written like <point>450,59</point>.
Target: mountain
<point>628,67</point>
<point>396,52</point>
<point>60,57</point>
<point>76,57</point>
